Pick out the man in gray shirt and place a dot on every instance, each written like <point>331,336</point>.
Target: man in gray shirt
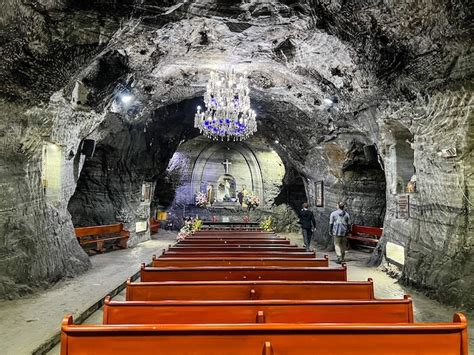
<point>339,227</point>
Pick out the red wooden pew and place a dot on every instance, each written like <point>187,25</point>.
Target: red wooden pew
<point>266,339</point>
<point>250,290</point>
<point>240,253</point>
<point>263,311</point>
<point>243,261</point>
<point>236,273</point>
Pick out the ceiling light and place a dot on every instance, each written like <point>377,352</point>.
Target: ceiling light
<point>277,141</point>
<point>328,102</point>
<point>126,98</point>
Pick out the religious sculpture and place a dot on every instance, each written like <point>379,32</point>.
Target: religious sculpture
<point>242,195</point>
<point>226,189</point>
<point>411,185</point>
<point>209,191</point>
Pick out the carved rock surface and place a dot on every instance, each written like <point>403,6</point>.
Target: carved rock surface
<point>328,78</point>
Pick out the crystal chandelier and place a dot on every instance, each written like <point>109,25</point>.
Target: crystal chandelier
<point>228,115</point>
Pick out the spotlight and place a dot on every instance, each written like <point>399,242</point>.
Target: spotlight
<point>328,102</point>
<point>126,98</point>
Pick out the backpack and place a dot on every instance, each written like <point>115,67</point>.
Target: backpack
<point>340,224</point>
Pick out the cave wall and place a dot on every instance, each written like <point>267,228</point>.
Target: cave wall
<point>438,236</point>
<point>37,242</point>
<point>128,153</point>
<point>389,62</point>
<point>348,176</point>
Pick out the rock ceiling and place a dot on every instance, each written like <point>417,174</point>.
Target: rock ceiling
<point>296,53</point>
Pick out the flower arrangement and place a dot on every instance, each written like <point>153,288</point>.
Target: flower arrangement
<point>197,225</point>
<point>252,201</point>
<point>186,230</point>
<point>201,200</point>
<point>266,224</point>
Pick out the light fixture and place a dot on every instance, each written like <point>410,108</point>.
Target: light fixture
<point>328,102</point>
<point>277,141</point>
<point>126,98</point>
<point>228,115</point>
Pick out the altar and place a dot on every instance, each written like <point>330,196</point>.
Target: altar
<point>227,173</point>
<point>230,226</point>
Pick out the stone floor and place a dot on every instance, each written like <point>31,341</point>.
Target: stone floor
<point>37,318</point>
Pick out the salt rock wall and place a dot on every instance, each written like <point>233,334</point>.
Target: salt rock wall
<point>438,235</point>
<point>127,155</point>
<point>37,242</point>
<point>347,176</point>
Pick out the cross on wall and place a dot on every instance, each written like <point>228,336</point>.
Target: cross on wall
<point>226,164</point>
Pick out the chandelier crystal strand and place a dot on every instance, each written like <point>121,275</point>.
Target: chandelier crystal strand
<point>228,114</point>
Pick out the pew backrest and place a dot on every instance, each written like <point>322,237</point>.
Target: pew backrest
<point>243,261</point>
<point>238,247</point>
<point>267,339</point>
<point>241,253</point>
<point>235,273</point>
<point>263,311</point>
<point>198,241</point>
<point>249,290</point>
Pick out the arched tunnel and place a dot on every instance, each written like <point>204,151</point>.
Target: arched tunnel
<point>350,105</point>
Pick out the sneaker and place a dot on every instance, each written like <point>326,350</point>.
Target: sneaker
<point>338,261</point>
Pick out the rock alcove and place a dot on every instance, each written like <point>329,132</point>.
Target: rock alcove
<point>357,95</point>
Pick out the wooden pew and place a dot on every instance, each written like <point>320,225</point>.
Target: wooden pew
<point>236,273</point>
<point>239,237</point>
<point>250,290</point>
<point>92,236</point>
<point>198,241</point>
<point>154,225</point>
<point>205,261</point>
<point>364,234</point>
<point>263,311</point>
<point>240,253</point>
<point>267,339</point>
<point>239,234</point>
<point>243,247</point>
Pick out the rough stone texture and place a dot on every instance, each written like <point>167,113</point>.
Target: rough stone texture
<point>393,69</point>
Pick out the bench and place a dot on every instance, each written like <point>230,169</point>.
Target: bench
<point>196,241</point>
<point>231,234</point>
<point>154,225</point>
<point>205,261</point>
<point>267,339</point>
<point>249,290</point>
<point>236,273</point>
<point>239,247</point>
<point>92,236</point>
<point>366,235</point>
<point>240,253</point>
<point>261,311</point>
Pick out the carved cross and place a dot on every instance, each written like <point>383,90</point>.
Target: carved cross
<point>226,164</point>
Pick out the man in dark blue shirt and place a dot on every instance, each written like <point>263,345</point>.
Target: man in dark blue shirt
<point>308,223</point>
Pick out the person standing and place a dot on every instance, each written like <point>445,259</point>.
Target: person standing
<point>308,223</point>
<point>339,228</point>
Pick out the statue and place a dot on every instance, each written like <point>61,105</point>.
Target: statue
<point>242,194</point>
<point>226,189</point>
<point>411,186</point>
<point>209,193</point>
